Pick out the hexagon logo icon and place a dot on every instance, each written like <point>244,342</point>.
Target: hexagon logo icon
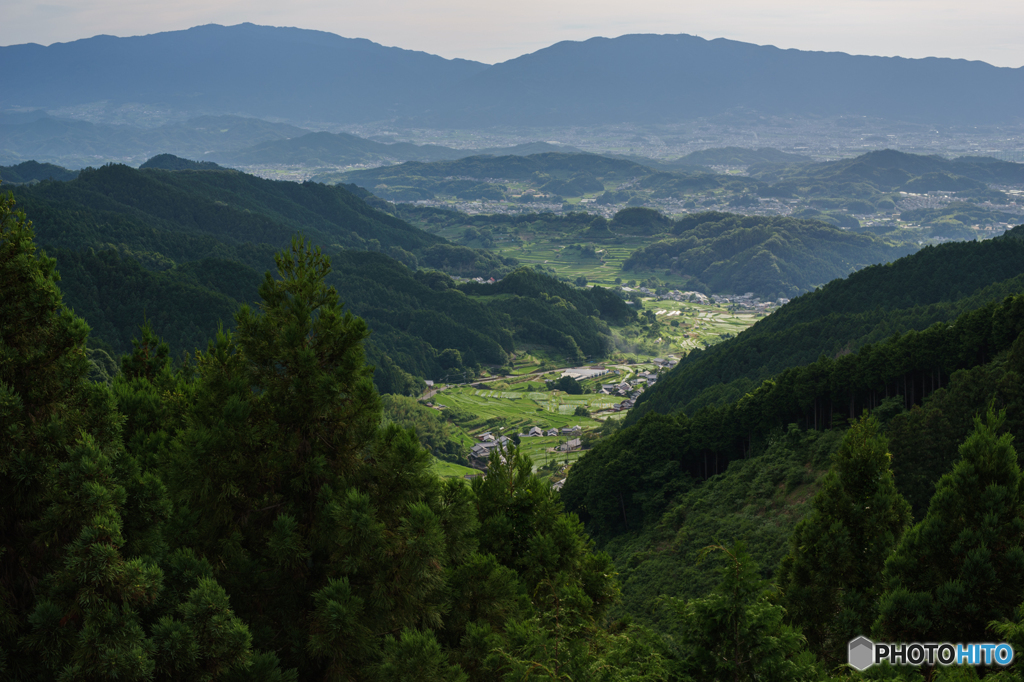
<point>861,653</point>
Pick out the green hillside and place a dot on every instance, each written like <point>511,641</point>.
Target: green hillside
<point>184,248</point>
<point>227,205</point>
<point>33,171</point>
<point>933,285</point>
<point>772,257</point>
<point>551,175</point>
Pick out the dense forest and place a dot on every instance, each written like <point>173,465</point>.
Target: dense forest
<point>773,257</point>
<point>250,514</point>
<point>842,511</point>
<point>184,248</point>
<point>936,284</point>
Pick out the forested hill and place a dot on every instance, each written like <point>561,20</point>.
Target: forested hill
<point>33,171</point>
<point>253,515</point>
<point>889,170</point>
<point>557,174</point>
<point>773,257</point>
<point>184,248</point>
<point>933,285</point>
<point>227,205</point>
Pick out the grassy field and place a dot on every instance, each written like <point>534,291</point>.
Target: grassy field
<point>551,252</point>
<point>515,405</point>
<point>697,324</point>
<point>449,470</point>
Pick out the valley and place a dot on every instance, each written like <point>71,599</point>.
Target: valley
<point>649,358</point>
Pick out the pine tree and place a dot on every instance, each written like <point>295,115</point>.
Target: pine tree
<point>831,577</point>
<point>962,566</point>
<point>329,531</point>
<point>74,566</point>
<point>566,586</point>
<point>736,632</point>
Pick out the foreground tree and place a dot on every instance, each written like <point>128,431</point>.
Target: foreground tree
<point>736,632</point>
<point>831,577</point>
<point>71,583</point>
<point>962,566</point>
<point>250,516</point>
<point>330,532</point>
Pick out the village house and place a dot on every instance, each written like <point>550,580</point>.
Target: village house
<point>571,444</point>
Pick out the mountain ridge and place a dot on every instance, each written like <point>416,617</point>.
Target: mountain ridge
<point>318,76</point>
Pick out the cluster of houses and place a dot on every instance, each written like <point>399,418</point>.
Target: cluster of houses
<point>681,296</point>
<point>478,280</point>
<point>749,301</point>
<point>480,453</point>
<point>630,387</point>
<point>565,432</point>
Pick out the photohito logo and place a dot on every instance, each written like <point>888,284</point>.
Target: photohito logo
<point>863,653</point>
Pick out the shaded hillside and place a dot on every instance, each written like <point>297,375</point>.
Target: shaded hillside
<point>773,257</point>
<point>226,205</point>
<point>33,171</point>
<point>933,285</point>
<point>184,248</point>
<point>629,479</point>
<point>761,496</point>
<point>175,163</point>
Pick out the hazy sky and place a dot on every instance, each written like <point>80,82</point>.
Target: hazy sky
<point>986,30</point>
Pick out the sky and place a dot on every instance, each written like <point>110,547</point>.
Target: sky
<point>985,30</point>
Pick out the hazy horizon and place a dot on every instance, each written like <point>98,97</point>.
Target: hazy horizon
<point>459,29</point>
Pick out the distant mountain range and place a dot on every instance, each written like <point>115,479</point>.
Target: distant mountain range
<point>312,77</point>
<point>37,135</point>
<point>339,149</point>
<point>231,140</point>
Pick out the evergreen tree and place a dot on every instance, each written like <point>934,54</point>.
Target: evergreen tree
<point>962,566</point>
<point>150,355</point>
<point>564,586</point>
<point>329,532</point>
<point>831,577</point>
<point>736,632</point>
<point>72,581</point>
